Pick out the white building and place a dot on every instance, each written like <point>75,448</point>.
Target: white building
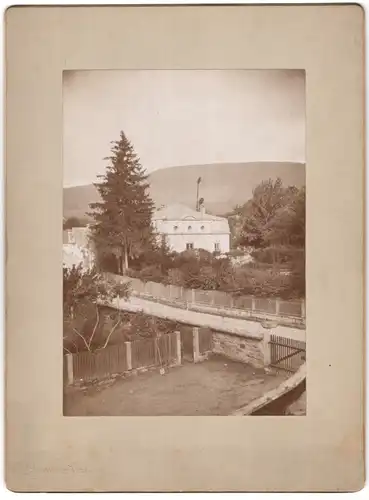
<point>77,248</point>
<point>185,229</point>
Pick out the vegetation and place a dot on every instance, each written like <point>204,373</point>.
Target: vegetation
<point>269,228</point>
<point>122,227</point>
<point>84,292</point>
<point>270,231</point>
<point>272,227</point>
<point>129,327</point>
<point>74,222</point>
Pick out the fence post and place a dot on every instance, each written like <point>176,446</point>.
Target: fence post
<point>303,311</point>
<point>277,304</point>
<point>156,350</point>
<point>170,291</point>
<point>129,355</point>
<point>178,345</point>
<point>266,348</point>
<point>192,295</point>
<point>70,368</point>
<point>253,304</point>
<point>169,337</point>
<point>196,344</point>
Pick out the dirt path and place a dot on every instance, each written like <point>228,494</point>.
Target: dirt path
<point>214,387</point>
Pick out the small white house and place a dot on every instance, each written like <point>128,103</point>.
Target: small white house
<point>77,248</point>
<point>186,229</point>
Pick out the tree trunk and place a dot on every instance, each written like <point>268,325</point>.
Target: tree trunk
<point>125,265</point>
<point>119,264</point>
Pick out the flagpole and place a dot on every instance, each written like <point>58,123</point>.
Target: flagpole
<point>197,194</point>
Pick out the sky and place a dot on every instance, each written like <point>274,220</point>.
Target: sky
<point>181,117</point>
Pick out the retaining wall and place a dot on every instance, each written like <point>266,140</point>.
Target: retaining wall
<point>240,348</point>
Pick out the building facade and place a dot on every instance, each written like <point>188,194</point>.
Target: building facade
<point>186,229</point>
<point>77,248</point>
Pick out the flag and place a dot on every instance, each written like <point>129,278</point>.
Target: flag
<point>199,180</point>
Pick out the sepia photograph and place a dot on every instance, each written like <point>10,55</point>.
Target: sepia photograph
<point>184,243</point>
<point>168,262</point>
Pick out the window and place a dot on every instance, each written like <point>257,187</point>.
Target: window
<point>70,237</point>
<point>202,228</point>
<point>189,228</point>
<point>189,246</point>
<point>216,247</point>
<point>175,228</point>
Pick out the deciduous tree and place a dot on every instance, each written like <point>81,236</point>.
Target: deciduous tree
<point>84,292</point>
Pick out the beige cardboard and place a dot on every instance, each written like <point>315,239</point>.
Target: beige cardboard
<point>320,452</point>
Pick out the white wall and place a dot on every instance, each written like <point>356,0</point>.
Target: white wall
<point>79,249</point>
<point>203,234</point>
<point>73,256</point>
<point>80,237</point>
<point>178,242</point>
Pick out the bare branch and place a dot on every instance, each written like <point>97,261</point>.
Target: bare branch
<point>110,334</point>
<point>96,325</point>
<point>82,337</point>
<point>75,345</point>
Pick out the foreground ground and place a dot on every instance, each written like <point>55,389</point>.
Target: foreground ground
<point>217,386</point>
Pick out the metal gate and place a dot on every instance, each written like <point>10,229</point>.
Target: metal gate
<point>287,354</point>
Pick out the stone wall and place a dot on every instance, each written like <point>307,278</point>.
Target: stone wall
<point>239,348</point>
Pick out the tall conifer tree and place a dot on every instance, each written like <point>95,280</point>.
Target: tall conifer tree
<point>122,220</point>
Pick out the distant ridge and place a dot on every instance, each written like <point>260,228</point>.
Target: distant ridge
<point>223,186</point>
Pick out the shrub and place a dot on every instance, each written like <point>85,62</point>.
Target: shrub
<point>152,272</point>
<point>236,252</point>
<point>298,276</point>
<point>144,326</point>
<point>200,269</point>
<point>262,283</point>
<point>175,277</point>
<point>207,279</point>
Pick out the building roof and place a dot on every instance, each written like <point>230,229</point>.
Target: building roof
<point>182,212</point>
<point>178,212</point>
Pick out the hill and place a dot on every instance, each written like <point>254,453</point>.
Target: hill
<point>223,185</point>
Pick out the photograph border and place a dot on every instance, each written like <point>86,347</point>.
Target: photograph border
<point>320,452</point>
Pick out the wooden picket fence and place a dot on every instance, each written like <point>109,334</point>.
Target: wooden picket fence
<point>120,358</point>
<point>154,352</point>
<point>190,343</point>
<point>100,364</point>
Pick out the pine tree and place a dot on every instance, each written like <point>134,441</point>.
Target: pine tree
<point>123,218</point>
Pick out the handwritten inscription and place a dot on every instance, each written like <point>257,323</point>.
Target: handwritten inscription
<point>52,469</point>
